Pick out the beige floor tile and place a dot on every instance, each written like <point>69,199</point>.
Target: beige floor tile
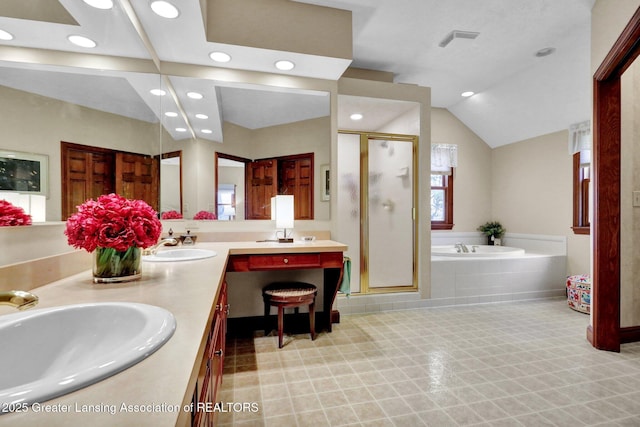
<point>490,365</point>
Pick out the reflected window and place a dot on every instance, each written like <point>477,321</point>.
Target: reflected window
<point>442,201</point>
<point>226,202</point>
<point>581,183</point>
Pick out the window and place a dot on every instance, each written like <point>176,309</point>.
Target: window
<point>442,201</point>
<point>581,182</point>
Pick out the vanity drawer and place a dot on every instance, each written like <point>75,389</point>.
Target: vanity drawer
<point>280,261</point>
<point>290,261</point>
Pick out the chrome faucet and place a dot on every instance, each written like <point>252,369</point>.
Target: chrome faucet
<point>461,247</point>
<point>18,299</point>
<point>170,241</point>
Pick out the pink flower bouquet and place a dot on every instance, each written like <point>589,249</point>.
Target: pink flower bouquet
<point>205,215</point>
<point>12,215</point>
<point>171,215</point>
<point>113,221</point>
<point>115,228</point>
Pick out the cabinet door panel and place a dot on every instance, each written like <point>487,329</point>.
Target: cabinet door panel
<point>137,177</point>
<point>261,185</point>
<point>86,174</point>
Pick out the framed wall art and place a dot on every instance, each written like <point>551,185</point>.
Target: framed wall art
<point>24,172</point>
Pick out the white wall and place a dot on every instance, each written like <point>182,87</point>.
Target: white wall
<point>472,178</point>
<point>533,193</point>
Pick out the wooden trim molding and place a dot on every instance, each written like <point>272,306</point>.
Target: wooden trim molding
<point>629,334</point>
<point>605,332</point>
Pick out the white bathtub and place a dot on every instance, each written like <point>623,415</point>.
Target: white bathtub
<point>494,274</point>
<point>477,251</point>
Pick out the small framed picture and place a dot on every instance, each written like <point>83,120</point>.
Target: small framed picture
<point>326,182</point>
<point>24,172</point>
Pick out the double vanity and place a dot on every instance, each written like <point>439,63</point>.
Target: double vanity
<point>180,340</point>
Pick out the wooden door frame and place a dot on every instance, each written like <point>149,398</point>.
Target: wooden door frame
<point>169,155</point>
<point>219,155</point>
<point>605,333</point>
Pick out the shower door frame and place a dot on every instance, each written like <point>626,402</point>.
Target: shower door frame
<point>364,209</point>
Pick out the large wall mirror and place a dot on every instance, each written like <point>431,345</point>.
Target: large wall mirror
<point>44,105</point>
<point>219,127</point>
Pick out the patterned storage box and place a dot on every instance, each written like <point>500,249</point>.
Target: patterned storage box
<point>579,292</point>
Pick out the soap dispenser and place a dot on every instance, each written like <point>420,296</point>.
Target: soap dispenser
<point>188,239</point>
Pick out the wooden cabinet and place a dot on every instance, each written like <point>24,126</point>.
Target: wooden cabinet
<point>295,176</point>
<point>261,182</point>
<point>211,368</point>
<point>89,172</point>
<point>85,175</point>
<point>137,177</point>
<point>266,178</point>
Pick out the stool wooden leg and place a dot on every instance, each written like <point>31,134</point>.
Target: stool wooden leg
<point>280,324</point>
<point>312,320</point>
<point>267,309</point>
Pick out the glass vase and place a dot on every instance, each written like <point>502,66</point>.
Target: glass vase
<point>112,266</point>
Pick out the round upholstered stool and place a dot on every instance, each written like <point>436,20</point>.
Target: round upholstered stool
<point>579,292</point>
<point>289,294</point>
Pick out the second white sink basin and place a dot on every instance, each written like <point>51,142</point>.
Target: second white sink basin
<point>182,254</point>
<point>53,351</point>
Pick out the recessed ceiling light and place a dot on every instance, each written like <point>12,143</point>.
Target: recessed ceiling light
<point>181,130</point>
<point>165,9</point>
<point>220,56</point>
<point>5,35</point>
<point>194,95</point>
<point>546,51</point>
<point>100,4</point>
<point>158,92</point>
<point>81,41</point>
<point>467,94</point>
<point>171,114</point>
<point>207,131</point>
<point>285,65</point>
<point>201,116</point>
<point>356,116</point>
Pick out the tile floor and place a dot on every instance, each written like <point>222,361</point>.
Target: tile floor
<point>520,364</point>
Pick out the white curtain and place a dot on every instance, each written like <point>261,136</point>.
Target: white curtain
<point>443,158</point>
<point>580,137</point>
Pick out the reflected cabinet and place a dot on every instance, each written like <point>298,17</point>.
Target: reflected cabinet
<point>89,172</point>
<point>266,178</point>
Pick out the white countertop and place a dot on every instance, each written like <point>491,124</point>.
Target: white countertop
<point>164,381</point>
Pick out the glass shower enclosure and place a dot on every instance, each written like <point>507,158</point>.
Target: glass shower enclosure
<point>377,208</point>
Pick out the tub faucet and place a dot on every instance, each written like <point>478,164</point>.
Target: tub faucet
<point>461,247</point>
<point>18,299</point>
<point>170,241</point>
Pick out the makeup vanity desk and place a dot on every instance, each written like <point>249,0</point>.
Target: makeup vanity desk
<point>271,256</point>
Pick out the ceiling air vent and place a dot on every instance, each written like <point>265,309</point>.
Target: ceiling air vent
<point>457,34</point>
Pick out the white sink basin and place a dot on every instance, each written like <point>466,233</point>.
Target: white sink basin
<point>182,254</point>
<point>53,351</point>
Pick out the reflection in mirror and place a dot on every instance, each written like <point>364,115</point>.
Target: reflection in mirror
<point>241,122</point>
<point>171,182</point>
<point>43,105</point>
<point>230,191</point>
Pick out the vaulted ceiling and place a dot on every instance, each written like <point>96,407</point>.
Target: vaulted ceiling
<point>517,94</point>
